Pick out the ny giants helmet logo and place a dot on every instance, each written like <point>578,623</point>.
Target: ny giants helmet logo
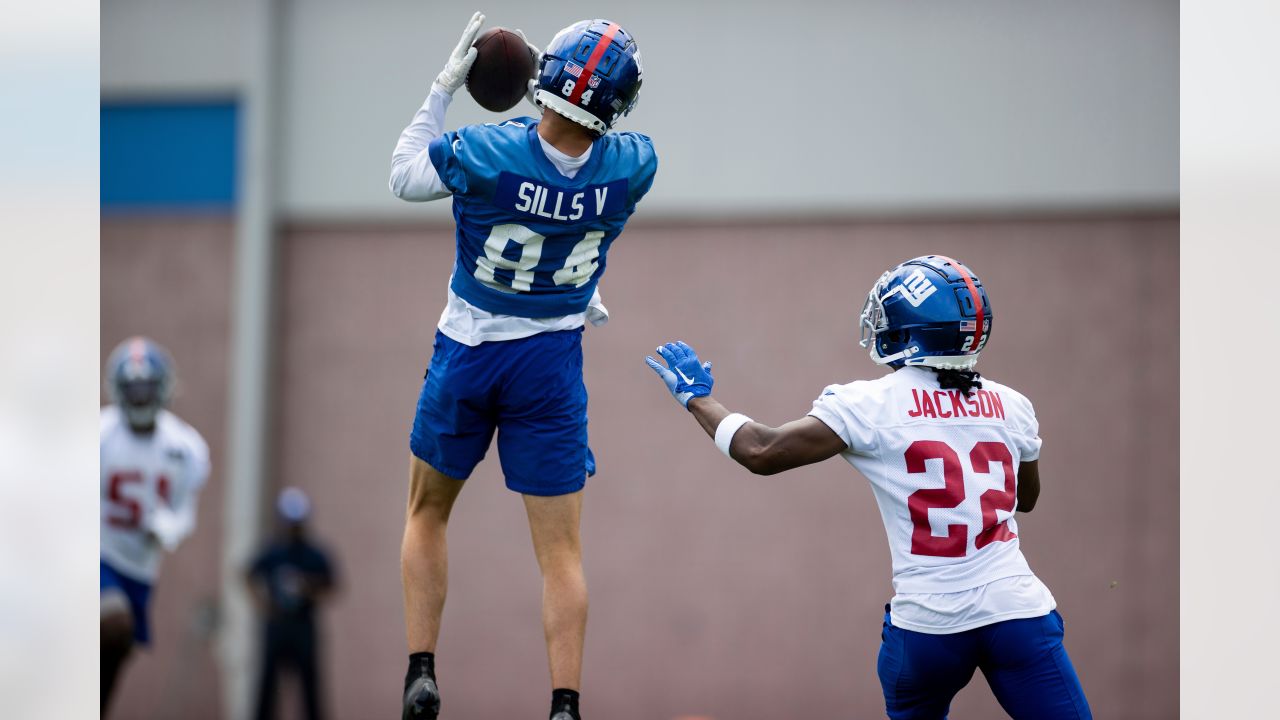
<point>916,288</point>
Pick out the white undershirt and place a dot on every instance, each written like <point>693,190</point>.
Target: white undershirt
<point>1011,598</point>
<point>414,178</point>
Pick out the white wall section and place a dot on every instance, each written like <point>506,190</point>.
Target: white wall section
<point>921,106</point>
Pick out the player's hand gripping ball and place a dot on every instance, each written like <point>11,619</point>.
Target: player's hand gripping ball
<point>460,60</point>
<point>505,63</point>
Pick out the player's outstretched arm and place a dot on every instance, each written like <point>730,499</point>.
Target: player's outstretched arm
<point>413,176</point>
<point>759,448</point>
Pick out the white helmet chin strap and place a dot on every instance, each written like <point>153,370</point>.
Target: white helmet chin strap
<point>568,110</point>
<point>943,362</point>
<point>886,359</point>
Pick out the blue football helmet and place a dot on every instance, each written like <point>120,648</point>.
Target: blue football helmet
<point>140,380</point>
<point>930,311</point>
<point>590,74</point>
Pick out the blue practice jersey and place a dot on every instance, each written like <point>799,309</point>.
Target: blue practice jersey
<point>532,242</point>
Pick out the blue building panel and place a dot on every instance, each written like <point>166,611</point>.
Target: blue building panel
<point>168,155</point>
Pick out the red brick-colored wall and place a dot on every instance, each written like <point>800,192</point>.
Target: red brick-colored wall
<point>170,278</point>
<point>714,592</point>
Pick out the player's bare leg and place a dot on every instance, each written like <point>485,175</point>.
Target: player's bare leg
<point>424,570</point>
<point>554,524</point>
<point>116,642</point>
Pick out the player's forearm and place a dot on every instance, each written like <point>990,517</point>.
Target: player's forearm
<point>748,446</point>
<point>413,176</point>
<point>709,412</point>
<point>427,123</point>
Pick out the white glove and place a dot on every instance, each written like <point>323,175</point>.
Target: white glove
<point>455,71</point>
<point>166,527</point>
<point>537,60</point>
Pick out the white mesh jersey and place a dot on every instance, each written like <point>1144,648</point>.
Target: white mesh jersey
<point>150,485</point>
<point>943,468</point>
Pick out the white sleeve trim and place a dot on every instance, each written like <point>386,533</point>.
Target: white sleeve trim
<point>832,420</point>
<point>413,176</point>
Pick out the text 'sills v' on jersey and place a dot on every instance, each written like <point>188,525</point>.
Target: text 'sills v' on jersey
<point>139,474</point>
<point>943,468</point>
<point>532,242</point>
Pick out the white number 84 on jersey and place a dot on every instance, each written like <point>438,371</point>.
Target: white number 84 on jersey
<point>577,271</point>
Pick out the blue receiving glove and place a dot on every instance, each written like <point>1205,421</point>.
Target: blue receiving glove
<point>688,377</point>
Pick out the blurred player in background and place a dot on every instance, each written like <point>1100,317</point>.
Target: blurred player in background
<point>152,466</point>
<point>537,202</point>
<point>950,457</point>
<point>288,579</point>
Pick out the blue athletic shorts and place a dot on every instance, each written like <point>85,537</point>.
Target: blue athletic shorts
<point>1023,660</point>
<point>529,390</point>
<point>138,594</point>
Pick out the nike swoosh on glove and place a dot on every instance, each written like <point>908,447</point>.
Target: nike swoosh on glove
<point>685,376</point>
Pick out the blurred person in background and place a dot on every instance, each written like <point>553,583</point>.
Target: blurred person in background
<point>950,457</point>
<point>288,579</point>
<point>152,466</point>
<point>508,346</point>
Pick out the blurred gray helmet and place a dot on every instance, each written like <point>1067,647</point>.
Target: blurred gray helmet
<point>139,379</point>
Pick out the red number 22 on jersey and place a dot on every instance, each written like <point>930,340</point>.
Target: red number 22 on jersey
<point>952,493</point>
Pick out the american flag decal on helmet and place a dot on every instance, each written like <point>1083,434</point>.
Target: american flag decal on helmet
<point>968,325</point>
<point>573,70</point>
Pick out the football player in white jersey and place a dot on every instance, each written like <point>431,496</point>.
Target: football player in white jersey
<point>950,457</point>
<point>152,465</point>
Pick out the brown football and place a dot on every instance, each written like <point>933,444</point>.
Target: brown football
<point>499,78</point>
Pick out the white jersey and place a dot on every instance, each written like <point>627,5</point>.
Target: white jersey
<point>149,488</point>
<point>943,468</point>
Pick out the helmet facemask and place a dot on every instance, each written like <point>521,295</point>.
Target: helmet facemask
<point>140,382</point>
<point>873,323</point>
<point>872,318</point>
<point>141,400</point>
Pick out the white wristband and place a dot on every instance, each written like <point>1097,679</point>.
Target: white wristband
<point>726,430</point>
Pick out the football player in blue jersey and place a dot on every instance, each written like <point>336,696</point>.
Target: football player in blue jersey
<point>537,202</point>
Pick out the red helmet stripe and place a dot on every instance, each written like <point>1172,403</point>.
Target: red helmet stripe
<point>605,41</point>
<point>977,302</point>
<point>137,350</point>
